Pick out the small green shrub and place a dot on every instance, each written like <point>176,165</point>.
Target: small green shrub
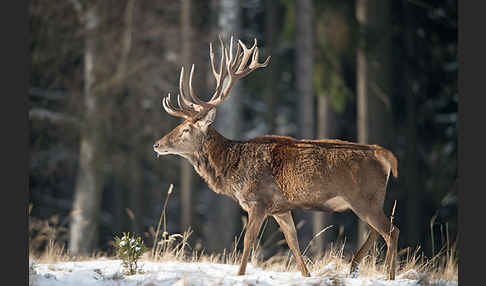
<point>129,249</point>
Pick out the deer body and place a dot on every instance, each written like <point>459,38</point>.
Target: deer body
<point>282,173</point>
<point>271,175</point>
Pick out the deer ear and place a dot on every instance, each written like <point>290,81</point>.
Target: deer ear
<point>207,119</point>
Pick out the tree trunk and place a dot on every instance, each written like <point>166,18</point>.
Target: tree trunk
<point>89,184</point>
<point>305,89</point>
<point>271,32</point>
<point>414,192</point>
<point>224,219</point>
<point>186,168</point>
<point>373,78</point>
<point>133,174</point>
<point>325,129</point>
<point>304,84</point>
<point>229,116</point>
<point>135,193</point>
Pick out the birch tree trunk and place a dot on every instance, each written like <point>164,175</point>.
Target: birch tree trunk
<point>87,194</point>
<point>225,221</point>
<point>373,78</point>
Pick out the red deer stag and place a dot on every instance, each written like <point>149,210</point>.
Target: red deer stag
<point>271,175</point>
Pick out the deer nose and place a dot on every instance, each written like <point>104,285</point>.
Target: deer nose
<point>156,145</point>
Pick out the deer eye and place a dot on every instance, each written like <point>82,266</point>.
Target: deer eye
<point>185,130</point>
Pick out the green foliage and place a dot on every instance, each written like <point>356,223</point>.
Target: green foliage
<point>340,93</point>
<point>129,249</point>
<point>333,51</point>
<point>330,83</point>
<point>289,23</point>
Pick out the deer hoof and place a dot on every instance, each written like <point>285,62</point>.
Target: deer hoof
<point>354,272</point>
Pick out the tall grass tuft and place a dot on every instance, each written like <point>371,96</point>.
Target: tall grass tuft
<point>168,246</point>
<point>47,238</point>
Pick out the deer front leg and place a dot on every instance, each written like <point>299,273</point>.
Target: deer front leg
<point>256,216</point>
<point>287,225</point>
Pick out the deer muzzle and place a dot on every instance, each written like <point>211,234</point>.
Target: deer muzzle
<point>158,151</point>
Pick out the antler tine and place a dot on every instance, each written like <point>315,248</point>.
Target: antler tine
<point>186,108</point>
<point>254,64</point>
<point>224,58</point>
<point>191,90</point>
<point>211,56</point>
<point>169,109</point>
<point>184,105</point>
<point>182,93</point>
<point>181,83</point>
<point>237,55</point>
<point>230,57</point>
<point>246,54</point>
<point>239,59</point>
<point>222,71</point>
<point>254,60</point>
<point>199,104</point>
<point>168,100</point>
<point>187,102</point>
<point>223,54</point>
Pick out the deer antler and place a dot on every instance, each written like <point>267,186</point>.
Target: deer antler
<point>186,108</point>
<point>242,56</point>
<point>235,66</point>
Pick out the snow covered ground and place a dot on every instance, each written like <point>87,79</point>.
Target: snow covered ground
<point>104,272</point>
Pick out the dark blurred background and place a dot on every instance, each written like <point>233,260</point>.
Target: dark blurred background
<point>377,71</point>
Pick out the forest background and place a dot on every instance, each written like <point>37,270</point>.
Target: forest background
<point>379,72</point>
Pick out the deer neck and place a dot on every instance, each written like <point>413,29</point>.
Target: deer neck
<point>212,161</point>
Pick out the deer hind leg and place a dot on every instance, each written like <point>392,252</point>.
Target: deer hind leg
<point>288,228</point>
<point>255,219</point>
<point>362,252</point>
<point>377,220</point>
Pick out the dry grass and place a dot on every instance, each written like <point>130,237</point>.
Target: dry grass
<point>47,241</point>
<point>411,264</point>
<point>45,238</point>
<point>443,265</point>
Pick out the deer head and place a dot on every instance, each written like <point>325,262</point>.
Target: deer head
<point>187,137</point>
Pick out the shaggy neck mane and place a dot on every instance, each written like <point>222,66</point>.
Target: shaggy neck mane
<point>212,161</point>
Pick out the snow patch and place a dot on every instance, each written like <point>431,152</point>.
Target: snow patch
<point>109,272</point>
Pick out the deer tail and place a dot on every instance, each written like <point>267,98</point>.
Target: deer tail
<point>391,159</point>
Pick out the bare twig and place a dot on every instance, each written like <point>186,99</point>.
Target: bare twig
<point>315,236</point>
<point>162,216</point>
<point>48,94</point>
<point>54,117</point>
